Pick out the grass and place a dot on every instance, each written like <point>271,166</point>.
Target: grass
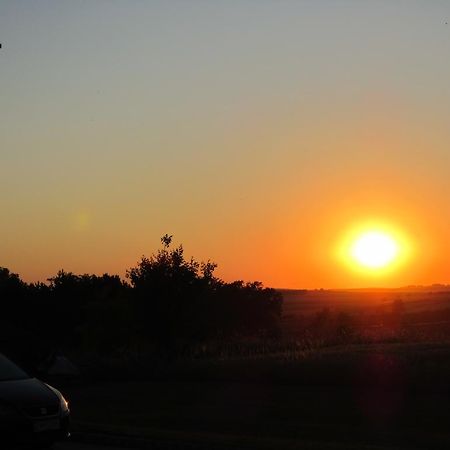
<point>355,395</point>
<point>379,387</point>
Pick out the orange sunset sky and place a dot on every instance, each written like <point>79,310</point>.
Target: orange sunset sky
<point>262,134</point>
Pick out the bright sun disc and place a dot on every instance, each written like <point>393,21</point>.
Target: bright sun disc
<point>374,249</point>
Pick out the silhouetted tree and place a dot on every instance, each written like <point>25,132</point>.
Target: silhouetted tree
<point>169,301</point>
<point>181,299</point>
<point>171,293</point>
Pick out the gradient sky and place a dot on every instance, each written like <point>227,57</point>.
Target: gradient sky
<point>258,133</point>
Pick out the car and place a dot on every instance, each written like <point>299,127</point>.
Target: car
<point>31,411</point>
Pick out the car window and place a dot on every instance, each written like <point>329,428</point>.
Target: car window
<point>9,371</point>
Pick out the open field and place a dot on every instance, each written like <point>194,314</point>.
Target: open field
<point>373,396</point>
<point>360,300</point>
<point>423,309</point>
<point>304,393</point>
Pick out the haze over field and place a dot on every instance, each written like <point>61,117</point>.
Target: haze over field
<point>260,134</point>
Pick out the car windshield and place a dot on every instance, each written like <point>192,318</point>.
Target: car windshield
<point>9,371</point>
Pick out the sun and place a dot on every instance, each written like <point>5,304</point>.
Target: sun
<point>374,249</point>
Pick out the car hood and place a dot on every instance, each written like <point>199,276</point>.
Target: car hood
<point>27,393</point>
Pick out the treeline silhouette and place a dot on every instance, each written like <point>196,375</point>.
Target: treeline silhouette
<point>166,304</point>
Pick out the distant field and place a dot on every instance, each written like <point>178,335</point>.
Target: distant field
<point>427,310</point>
<point>309,302</point>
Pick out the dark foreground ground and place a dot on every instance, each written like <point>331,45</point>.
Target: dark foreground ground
<point>79,446</point>
<point>387,387</point>
<point>352,397</point>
